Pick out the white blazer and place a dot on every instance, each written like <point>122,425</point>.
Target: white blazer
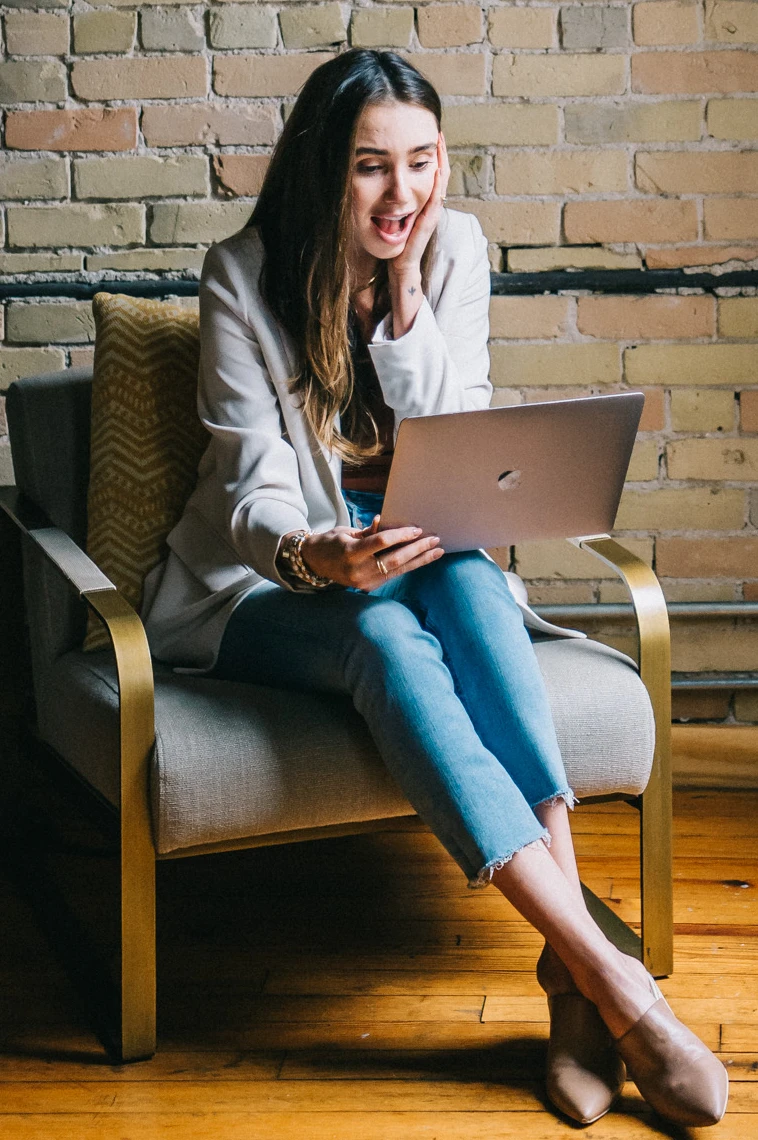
<point>264,473</point>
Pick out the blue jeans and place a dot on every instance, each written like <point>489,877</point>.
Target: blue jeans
<point>439,664</point>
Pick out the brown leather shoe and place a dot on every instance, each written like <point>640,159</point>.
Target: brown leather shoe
<point>584,1071</point>
<point>675,1072</point>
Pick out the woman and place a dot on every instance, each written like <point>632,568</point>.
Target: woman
<point>351,301</point>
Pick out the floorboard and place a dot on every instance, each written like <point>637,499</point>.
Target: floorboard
<point>355,989</point>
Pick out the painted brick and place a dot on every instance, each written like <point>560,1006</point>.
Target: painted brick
<point>718,646</point>
<point>597,28</point>
<point>146,78</point>
<point>141,177</point>
<point>660,23</point>
<point>746,706</point>
<point>36,33</point>
<point>733,118</point>
<point>312,25</point>
<point>241,174</point>
<point>27,82</point>
<point>644,464</point>
<point>503,124</point>
<point>75,224</point>
<point>264,74</point>
<point>41,262</point>
<point>522,27</point>
<point>699,365</point>
<point>202,124</point>
<point>36,4</point>
<point>530,172</point>
<point>731,21</point>
<point>33,178</point>
<point>527,366</point>
<point>750,592</point>
<point>690,73</point>
<point>104,31</point>
<point>152,260</point>
<point>593,123</point>
<point>529,318</point>
<point>470,173</point>
<point>697,508</point>
<point>698,255</point>
<point>653,416</point>
<point>172,29</point>
<point>738,317</point>
<point>87,128</point>
<point>460,73</point>
<point>504,398</point>
<point>688,172</point>
<point>733,459</point>
<point>730,218</point>
<point>689,591</point>
<point>557,559</point>
<point>449,25</point>
<point>707,558</point>
<point>197,221</point>
<point>569,257</point>
<point>240,26</point>
<point>381,27</point>
<point>131,3</point>
<point>700,706</point>
<point>81,357</point>
<point>652,219</point>
<point>39,322</point>
<point>18,362</point>
<point>560,593</point>
<point>558,75</point>
<point>749,411</point>
<point>639,318</point>
<point>702,409</point>
<point>515,223</point>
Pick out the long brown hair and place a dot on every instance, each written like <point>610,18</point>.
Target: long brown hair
<point>304,216</point>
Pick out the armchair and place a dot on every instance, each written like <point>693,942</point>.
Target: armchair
<point>141,737</point>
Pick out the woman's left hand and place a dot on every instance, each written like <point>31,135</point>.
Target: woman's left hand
<point>404,271</point>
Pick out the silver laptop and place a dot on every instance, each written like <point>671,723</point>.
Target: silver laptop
<point>505,475</point>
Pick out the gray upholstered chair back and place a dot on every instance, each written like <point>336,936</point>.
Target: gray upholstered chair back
<point>49,428</point>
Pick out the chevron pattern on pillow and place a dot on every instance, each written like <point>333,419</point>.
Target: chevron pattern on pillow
<point>147,438</point>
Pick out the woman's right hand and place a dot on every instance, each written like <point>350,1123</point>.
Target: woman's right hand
<point>349,556</point>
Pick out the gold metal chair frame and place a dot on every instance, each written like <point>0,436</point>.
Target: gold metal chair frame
<point>137,1040</point>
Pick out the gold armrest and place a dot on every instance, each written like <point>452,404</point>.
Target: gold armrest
<point>137,735</point>
<point>656,801</point>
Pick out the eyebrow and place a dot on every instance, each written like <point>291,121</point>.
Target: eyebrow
<point>374,150</point>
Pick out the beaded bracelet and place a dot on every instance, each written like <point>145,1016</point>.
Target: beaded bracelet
<point>291,553</point>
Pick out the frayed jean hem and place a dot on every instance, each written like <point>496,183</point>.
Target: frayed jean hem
<point>568,798</point>
<point>484,878</point>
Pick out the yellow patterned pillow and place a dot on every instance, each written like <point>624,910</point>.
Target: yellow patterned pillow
<point>147,438</point>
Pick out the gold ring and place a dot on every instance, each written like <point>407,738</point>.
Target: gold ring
<point>381,566</point>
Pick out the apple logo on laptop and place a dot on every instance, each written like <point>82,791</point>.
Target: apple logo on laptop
<point>509,480</point>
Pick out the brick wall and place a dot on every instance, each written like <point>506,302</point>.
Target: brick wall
<point>610,135</point>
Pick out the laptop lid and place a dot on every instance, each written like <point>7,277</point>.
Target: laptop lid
<point>516,474</point>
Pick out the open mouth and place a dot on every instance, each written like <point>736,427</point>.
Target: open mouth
<point>392,227</point>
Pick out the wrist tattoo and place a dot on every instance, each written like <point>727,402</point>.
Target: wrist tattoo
<point>412,290</point>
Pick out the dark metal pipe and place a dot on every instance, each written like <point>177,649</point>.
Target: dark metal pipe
<point>502,284</point>
<point>593,611</point>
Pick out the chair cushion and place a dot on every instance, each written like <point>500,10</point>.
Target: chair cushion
<point>234,760</point>
<point>146,439</point>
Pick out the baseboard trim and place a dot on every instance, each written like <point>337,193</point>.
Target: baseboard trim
<point>715,756</point>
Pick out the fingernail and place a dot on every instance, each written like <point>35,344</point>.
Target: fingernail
<point>416,530</point>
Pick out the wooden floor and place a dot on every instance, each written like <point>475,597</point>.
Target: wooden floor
<point>355,989</point>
